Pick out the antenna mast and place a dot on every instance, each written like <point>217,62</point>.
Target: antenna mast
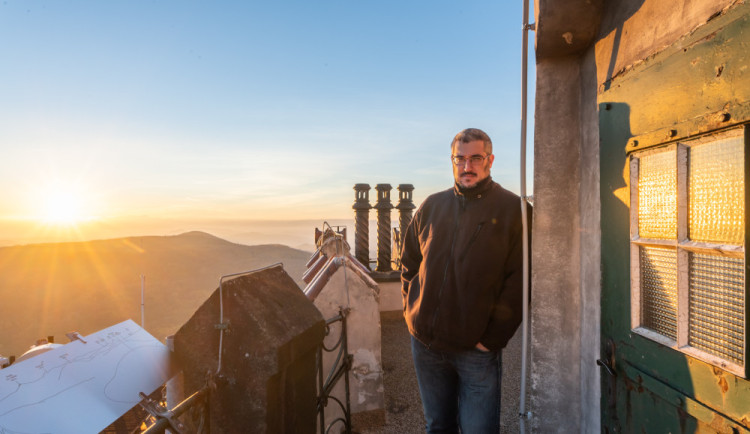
<point>143,308</point>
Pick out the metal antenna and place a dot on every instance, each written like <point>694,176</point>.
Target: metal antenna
<point>143,305</point>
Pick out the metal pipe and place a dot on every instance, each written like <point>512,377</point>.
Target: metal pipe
<point>143,307</point>
<point>163,423</point>
<point>523,415</point>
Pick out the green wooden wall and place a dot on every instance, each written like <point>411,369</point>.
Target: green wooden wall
<point>699,84</point>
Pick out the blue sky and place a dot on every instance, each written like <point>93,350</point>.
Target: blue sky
<point>247,110</point>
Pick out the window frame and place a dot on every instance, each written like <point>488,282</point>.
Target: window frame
<point>684,247</point>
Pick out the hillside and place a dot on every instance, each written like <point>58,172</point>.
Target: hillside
<point>51,289</point>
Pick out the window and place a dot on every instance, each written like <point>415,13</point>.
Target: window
<point>687,220</point>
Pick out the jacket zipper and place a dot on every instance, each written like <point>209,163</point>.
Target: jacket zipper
<point>473,238</point>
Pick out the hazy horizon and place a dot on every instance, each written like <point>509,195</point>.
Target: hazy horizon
<point>133,114</point>
<point>297,234</point>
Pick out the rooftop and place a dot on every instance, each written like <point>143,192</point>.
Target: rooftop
<point>403,405</point>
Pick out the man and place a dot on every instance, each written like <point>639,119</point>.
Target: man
<point>462,290</point>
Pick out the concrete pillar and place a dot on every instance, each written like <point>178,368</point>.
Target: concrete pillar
<point>384,208</point>
<point>362,224</point>
<point>555,314</point>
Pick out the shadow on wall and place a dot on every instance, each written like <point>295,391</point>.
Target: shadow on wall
<point>630,358</point>
<point>615,15</point>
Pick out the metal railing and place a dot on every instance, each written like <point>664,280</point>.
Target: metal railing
<point>340,368</point>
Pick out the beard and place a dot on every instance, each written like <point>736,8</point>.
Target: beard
<point>468,179</point>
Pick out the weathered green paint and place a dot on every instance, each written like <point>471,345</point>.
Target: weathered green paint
<point>687,89</point>
<point>690,87</point>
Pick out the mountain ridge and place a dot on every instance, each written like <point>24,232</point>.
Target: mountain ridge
<point>53,288</point>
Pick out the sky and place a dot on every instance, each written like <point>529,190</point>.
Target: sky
<point>134,117</point>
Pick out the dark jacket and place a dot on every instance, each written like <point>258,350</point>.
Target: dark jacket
<point>462,268</point>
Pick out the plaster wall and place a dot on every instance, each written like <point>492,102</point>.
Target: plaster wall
<point>346,289</point>
<point>590,238</point>
<point>390,296</point>
<point>556,301</point>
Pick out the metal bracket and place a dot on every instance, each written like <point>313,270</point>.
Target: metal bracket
<point>158,411</point>
<point>222,326</point>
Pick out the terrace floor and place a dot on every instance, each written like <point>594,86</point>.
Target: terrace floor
<point>403,406</point>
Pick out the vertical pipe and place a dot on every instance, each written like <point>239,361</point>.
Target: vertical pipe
<point>384,208</point>
<point>143,306</point>
<point>523,415</point>
<point>361,223</point>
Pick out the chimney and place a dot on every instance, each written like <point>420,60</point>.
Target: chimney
<point>361,223</point>
<point>384,207</point>
<point>405,206</point>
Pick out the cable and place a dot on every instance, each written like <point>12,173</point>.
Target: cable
<point>523,415</point>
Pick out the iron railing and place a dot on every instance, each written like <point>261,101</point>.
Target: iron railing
<point>340,368</point>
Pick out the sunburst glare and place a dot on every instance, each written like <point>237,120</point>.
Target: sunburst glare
<point>61,204</point>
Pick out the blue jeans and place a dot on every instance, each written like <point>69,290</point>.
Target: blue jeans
<point>459,389</point>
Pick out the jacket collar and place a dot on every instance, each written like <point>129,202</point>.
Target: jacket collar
<point>473,192</point>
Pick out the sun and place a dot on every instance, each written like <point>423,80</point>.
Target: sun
<point>62,208</point>
<point>62,205</point>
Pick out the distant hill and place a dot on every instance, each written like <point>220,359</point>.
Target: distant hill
<point>51,289</point>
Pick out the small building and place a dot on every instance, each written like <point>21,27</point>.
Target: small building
<point>639,318</point>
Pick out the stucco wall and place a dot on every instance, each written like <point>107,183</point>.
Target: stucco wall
<point>555,307</point>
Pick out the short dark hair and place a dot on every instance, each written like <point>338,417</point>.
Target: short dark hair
<point>471,134</point>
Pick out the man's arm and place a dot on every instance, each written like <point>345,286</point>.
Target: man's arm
<point>507,312</point>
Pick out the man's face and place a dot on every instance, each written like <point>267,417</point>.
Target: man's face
<point>468,174</point>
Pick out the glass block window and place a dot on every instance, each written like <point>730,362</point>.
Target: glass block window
<point>717,190</point>
<point>717,305</point>
<point>659,290</point>
<point>688,247</point>
<point>657,192</point>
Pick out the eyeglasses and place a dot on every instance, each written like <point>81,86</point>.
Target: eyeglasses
<point>460,160</point>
